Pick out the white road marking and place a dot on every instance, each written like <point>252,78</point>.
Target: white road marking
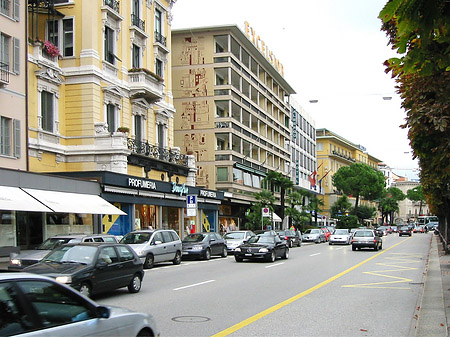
<point>315,254</point>
<point>274,265</point>
<point>194,285</point>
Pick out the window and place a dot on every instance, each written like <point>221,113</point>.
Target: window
<point>67,37</point>
<point>159,68</point>
<point>222,174</point>
<point>63,41</point>
<point>5,136</point>
<point>161,135</point>
<point>135,9</point>
<point>158,23</point>
<point>235,48</point>
<point>247,179</point>
<point>138,128</point>
<point>4,48</point>
<point>222,141</point>
<point>136,58</point>
<point>237,176</point>
<point>111,117</point>
<point>109,45</point>
<point>221,43</point>
<point>47,111</point>
<point>221,108</point>
<point>6,7</point>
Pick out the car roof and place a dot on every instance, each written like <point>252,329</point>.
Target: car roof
<point>21,276</point>
<point>95,244</point>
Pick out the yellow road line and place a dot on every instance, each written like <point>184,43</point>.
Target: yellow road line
<point>278,306</point>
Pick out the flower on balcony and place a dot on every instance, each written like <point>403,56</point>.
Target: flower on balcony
<point>148,72</point>
<point>123,129</point>
<point>50,49</point>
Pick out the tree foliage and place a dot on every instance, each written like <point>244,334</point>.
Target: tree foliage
<point>274,178</point>
<point>263,199</point>
<point>416,194</point>
<point>359,180</point>
<point>341,207</point>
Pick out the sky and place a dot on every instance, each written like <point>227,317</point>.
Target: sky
<point>333,53</point>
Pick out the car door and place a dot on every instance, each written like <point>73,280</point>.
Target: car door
<point>108,269</point>
<point>169,246</point>
<point>280,247</point>
<point>128,265</point>
<point>157,247</point>
<point>215,244</point>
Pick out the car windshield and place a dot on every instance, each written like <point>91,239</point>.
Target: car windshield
<point>341,232</point>
<point>312,231</point>
<point>363,234</point>
<point>136,238</point>
<point>52,243</point>
<point>262,239</point>
<point>236,236</point>
<point>404,228</point>
<point>73,254</point>
<point>194,238</point>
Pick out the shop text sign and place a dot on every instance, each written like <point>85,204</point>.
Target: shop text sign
<point>141,183</point>
<point>179,189</point>
<point>207,194</point>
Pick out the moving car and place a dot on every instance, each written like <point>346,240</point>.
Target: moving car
<point>236,238</point>
<point>39,306</point>
<point>262,247</point>
<point>292,239</point>
<point>30,257</point>
<point>366,238</point>
<point>314,235</point>
<point>154,246</point>
<point>92,268</point>
<point>342,236</point>
<point>404,230</point>
<point>203,245</point>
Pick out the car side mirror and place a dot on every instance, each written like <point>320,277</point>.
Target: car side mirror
<point>102,312</point>
<point>157,242</point>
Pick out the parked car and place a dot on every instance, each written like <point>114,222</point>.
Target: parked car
<point>326,232</point>
<point>236,238</point>
<point>291,237</point>
<point>314,235</point>
<point>394,229</point>
<point>404,230</point>
<point>92,268</point>
<point>382,230</point>
<point>265,247</point>
<point>366,238</point>
<point>154,246</point>
<point>39,306</point>
<point>29,257</point>
<point>342,236</point>
<point>204,245</point>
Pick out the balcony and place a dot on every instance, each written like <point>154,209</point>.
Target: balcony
<point>113,4</point>
<point>136,21</point>
<point>144,83</point>
<point>153,157</point>
<point>43,57</point>
<point>159,38</point>
<point>4,73</point>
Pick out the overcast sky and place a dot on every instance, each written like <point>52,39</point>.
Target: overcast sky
<point>332,51</point>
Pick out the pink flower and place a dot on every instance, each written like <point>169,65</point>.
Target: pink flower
<point>51,49</point>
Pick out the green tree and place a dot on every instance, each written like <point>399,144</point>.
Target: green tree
<point>341,207</point>
<point>388,205</point>
<point>365,212</point>
<point>263,199</point>
<point>416,194</point>
<point>315,206</point>
<point>273,179</point>
<point>359,180</point>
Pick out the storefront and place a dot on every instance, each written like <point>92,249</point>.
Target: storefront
<point>151,204</point>
<point>36,206</point>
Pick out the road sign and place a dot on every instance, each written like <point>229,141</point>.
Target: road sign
<point>191,211</point>
<point>266,211</point>
<point>191,201</point>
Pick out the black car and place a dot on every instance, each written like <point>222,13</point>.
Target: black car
<point>291,237</point>
<point>265,247</point>
<point>404,230</point>
<point>93,267</point>
<point>203,245</point>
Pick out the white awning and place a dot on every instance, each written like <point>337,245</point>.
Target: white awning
<point>276,217</point>
<point>65,202</point>
<point>14,199</point>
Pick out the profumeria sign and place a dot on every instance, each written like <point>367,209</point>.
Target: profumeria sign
<point>263,48</point>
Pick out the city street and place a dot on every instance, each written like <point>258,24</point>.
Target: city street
<point>320,290</point>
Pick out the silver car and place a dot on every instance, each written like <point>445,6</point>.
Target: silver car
<point>237,238</point>
<point>314,235</point>
<point>154,246</point>
<point>341,236</point>
<point>37,305</point>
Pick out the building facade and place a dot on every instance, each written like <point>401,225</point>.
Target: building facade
<point>334,152</point>
<point>13,108</point>
<point>233,112</point>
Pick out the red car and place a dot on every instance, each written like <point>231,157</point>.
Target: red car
<point>327,233</point>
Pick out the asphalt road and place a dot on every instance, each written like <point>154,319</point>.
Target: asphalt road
<point>320,290</point>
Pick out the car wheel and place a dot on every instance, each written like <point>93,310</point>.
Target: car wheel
<point>290,244</point>
<point>271,257</point>
<point>318,240</point>
<point>86,289</point>
<point>207,254</point>
<point>177,259</point>
<point>353,248</point>
<point>330,243</point>
<point>299,244</point>
<point>149,261</point>
<point>381,246</point>
<point>238,258</point>
<point>145,333</point>
<point>224,252</point>
<point>375,248</point>
<point>286,254</point>
<point>135,284</point>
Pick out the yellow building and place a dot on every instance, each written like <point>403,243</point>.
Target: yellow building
<point>101,105</point>
<point>334,152</point>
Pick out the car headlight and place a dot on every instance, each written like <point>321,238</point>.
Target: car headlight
<point>64,279</point>
<point>16,262</point>
<point>237,249</point>
<point>263,250</point>
<point>140,253</point>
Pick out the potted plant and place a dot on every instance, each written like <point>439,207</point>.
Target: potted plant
<point>123,129</point>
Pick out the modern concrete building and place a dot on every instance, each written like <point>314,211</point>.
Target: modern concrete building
<point>233,112</point>
<point>334,152</point>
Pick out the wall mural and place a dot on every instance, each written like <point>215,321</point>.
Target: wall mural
<point>194,115</point>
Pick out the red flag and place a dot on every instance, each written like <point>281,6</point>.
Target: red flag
<point>312,179</point>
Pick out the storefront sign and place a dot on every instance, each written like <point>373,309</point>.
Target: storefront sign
<point>141,183</point>
<point>263,48</point>
<point>207,194</point>
<point>179,189</point>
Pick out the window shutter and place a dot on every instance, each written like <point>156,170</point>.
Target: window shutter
<point>16,125</point>
<point>16,56</point>
<point>16,10</point>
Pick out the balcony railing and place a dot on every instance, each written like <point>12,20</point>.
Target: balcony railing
<point>160,38</point>
<point>113,4</point>
<point>4,73</point>
<point>136,21</point>
<point>155,152</point>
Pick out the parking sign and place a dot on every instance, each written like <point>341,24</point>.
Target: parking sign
<point>191,201</point>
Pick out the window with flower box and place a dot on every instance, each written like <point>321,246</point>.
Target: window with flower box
<point>65,40</point>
